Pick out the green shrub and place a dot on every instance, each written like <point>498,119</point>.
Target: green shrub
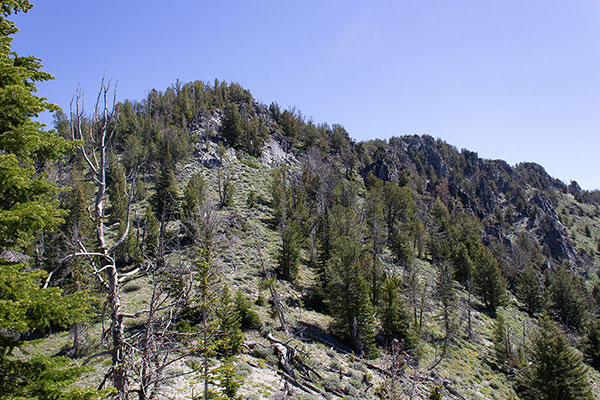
<point>250,163</point>
<point>251,201</point>
<point>250,318</point>
<point>435,393</point>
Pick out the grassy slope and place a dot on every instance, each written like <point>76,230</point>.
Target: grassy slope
<point>468,365</point>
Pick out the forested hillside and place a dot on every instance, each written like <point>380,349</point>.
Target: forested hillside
<point>196,244</point>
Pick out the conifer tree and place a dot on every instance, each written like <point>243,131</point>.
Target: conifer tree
<point>377,236</point>
<point>249,318</point>
<point>556,370</point>
<point>206,300</point>
<point>230,323</point>
<point>164,201</point>
<point>488,280</point>
<point>348,297</point>
<point>193,204</point>
<point>116,191</point>
<point>567,298</point>
<point>394,317</point>
<point>399,208</point>
<point>280,195</point>
<point>151,233</point>
<point>232,127</point>
<point>503,350</point>
<point>529,291</point>
<point>445,293</point>
<point>29,206</point>
<point>591,344</point>
<point>289,252</point>
<point>463,264</point>
<point>194,194</point>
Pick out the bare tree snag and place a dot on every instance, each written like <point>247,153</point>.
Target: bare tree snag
<point>94,136</point>
<point>279,307</point>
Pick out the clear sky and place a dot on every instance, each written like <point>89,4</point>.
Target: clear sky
<point>511,79</point>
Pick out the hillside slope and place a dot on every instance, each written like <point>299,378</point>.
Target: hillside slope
<point>453,209</point>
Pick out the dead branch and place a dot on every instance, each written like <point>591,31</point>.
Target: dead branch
<point>274,295</point>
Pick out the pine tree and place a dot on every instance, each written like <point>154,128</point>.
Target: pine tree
<point>29,206</point>
<point>488,280</point>
<point>206,301</point>
<point>567,298</point>
<point>556,370</point>
<point>289,252</point>
<point>280,195</point>
<point>591,344</point>
<point>249,318</point>
<point>529,291</point>
<point>194,194</point>
<point>445,293</point>
<point>501,338</point>
<point>151,233</point>
<point>116,191</point>
<point>193,205</point>
<point>229,380</point>
<point>230,323</point>
<point>348,297</point>
<point>394,317</point>
<point>231,127</point>
<point>377,236</point>
<point>399,207</point>
<point>463,265</point>
<point>164,201</point>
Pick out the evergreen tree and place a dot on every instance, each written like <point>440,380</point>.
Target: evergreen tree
<point>194,194</point>
<point>164,201</point>
<point>556,370</point>
<point>567,298</point>
<point>348,297</point>
<point>402,248</point>
<point>116,191</point>
<point>207,302</point>
<point>445,294</point>
<point>418,231</point>
<point>227,191</point>
<point>289,252</point>
<point>229,379</point>
<point>230,323</point>
<point>399,208</point>
<point>151,233</point>
<point>488,280</point>
<point>232,127</point>
<point>289,124</point>
<point>29,206</point>
<point>255,131</point>
<point>280,195</point>
<point>529,291</point>
<point>591,344</point>
<point>463,264</point>
<point>377,236</point>
<point>193,204</point>
<point>503,350</point>
<point>394,317</point>
<point>249,318</point>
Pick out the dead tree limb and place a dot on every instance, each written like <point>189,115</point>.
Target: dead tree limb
<point>279,307</point>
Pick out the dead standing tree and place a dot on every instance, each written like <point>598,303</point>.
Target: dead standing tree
<point>94,136</point>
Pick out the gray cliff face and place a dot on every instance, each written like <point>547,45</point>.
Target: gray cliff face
<point>481,187</point>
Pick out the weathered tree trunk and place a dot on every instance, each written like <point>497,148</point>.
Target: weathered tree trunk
<point>95,137</point>
<point>118,348</point>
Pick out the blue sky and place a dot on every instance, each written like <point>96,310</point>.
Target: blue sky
<point>516,80</point>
